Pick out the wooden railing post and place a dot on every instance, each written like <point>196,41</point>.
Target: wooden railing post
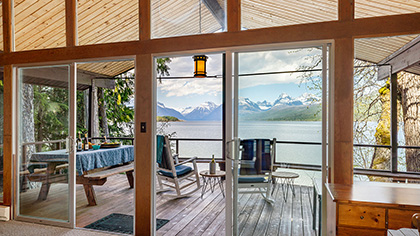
<point>177,147</point>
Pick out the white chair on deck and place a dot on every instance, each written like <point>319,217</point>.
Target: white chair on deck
<point>172,173</point>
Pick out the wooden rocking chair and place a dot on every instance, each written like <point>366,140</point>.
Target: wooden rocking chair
<point>171,172</point>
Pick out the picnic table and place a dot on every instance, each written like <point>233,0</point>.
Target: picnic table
<point>92,168</point>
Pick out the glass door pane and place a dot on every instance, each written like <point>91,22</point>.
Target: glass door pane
<point>278,140</point>
<point>43,191</point>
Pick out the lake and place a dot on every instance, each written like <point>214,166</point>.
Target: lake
<point>302,131</point>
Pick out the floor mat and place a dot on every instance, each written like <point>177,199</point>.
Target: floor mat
<point>119,223</point>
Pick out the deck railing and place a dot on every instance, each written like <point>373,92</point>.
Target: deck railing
<point>299,166</point>
<point>311,167</point>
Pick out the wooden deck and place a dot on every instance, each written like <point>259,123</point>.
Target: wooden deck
<point>193,215</point>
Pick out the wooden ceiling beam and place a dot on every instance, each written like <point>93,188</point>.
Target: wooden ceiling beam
<point>345,10</point>
<point>359,28</point>
<point>71,23</point>
<point>144,20</point>
<point>8,26</point>
<point>233,15</point>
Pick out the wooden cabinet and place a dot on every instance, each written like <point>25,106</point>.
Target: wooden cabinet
<point>370,208</point>
<point>400,218</point>
<point>361,215</point>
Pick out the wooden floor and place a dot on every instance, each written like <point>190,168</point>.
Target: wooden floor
<point>188,216</point>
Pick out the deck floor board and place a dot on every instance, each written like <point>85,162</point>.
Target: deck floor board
<point>188,216</point>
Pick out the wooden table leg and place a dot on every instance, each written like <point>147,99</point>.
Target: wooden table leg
<point>45,188</point>
<point>90,194</point>
<point>130,178</point>
<point>43,193</point>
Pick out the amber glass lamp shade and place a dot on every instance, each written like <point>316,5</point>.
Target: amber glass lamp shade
<point>200,66</point>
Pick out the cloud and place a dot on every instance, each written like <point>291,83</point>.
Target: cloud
<point>187,87</point>
<point>253,62</point>
<point>275,61</point>
<point>184,67</point>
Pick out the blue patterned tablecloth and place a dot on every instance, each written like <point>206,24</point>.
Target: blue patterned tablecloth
<point>89,160</point>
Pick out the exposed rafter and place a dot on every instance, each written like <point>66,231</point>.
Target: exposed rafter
<point>217,11</point>
<point>405,58</point>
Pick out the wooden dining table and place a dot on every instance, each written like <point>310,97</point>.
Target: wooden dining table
<point>92,168</point>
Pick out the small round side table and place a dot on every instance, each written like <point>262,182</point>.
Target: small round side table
<point>211,180</point>
<point>287,180</point>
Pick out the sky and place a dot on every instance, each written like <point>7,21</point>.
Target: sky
<point>183,93</point>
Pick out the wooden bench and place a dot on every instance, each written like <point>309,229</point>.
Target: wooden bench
<point>43,170</point>
<point>94,177</point>
<point>40,175</point>
<point>99,177</point>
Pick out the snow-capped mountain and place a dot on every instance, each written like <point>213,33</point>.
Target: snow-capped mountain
<point>199,113</point>
<point>207,106</point>
<point>284,107</point>
<point>162,110</point>
<point>285,100</point>
<point>264,105</point>
<point>248,106</point>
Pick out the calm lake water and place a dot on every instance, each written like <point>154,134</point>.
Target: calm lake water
<point>281,130</point>
<point>302,131</point>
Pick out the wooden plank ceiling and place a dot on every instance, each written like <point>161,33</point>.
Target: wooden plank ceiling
<point>372,8</point>
<point>41,23</point>
<point>377,49</point>
<point>268,13</point>
<point>175,18</point>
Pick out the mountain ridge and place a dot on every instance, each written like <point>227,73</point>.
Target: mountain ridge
<point>285,107</point>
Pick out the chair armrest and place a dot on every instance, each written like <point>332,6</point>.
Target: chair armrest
<point>192,159</point>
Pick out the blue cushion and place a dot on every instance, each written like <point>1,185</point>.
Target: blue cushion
<point>252,180</point>
<point>180,170</point>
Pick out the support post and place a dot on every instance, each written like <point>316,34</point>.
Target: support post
<point>8,130</point>
<point>394,123</point>
<point>143,144</point>
<point>343,111</point>
<point>8,104</point>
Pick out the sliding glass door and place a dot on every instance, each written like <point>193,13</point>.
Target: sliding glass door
<point>279,138</point>
<point>45,153</point>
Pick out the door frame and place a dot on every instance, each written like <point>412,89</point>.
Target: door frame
<point>327,115</point>
<point>72,79</point>
<point>327,127</point>
<point>72,130</point>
